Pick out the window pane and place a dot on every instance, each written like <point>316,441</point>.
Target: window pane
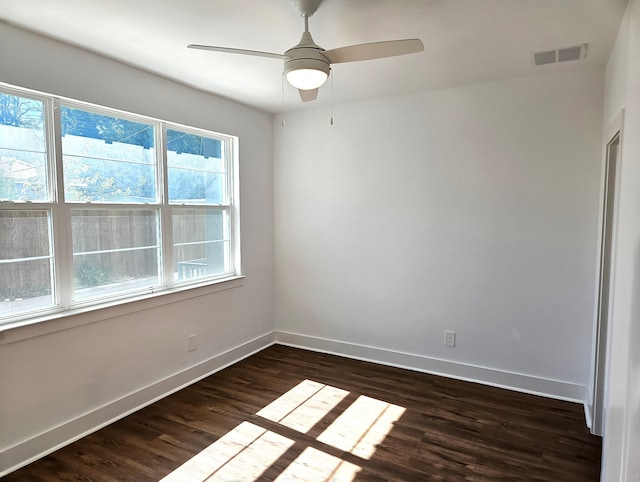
<point>26,262</point>
<point>201,243</point>
<point>23,152</point>
<point>114,251</point>
<point>107,159</point>
<point>197,173</point>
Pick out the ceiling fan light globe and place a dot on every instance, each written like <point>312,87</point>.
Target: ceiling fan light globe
<point>306,79</point>
<point>308,69</point>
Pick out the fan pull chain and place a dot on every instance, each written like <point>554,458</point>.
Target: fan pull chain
<point>282,81</point>
<point>331,99</point>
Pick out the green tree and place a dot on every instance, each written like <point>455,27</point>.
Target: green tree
<point>7,188</point>
<point>25,115</point>
<point>20,111</point>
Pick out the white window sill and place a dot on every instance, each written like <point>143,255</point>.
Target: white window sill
<point>24,329</point>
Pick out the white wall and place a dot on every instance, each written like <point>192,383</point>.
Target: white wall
<point>471,209</point>
<point>61,378</point>
<point>622,417</point>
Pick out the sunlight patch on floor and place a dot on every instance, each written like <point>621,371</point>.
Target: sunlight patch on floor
<point>302,407</point>
<point>362,426</point>
<point>247,451</point>
<point>315,465</point>
<point>242,454</point>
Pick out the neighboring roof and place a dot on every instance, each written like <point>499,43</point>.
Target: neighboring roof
<point>16,169</point>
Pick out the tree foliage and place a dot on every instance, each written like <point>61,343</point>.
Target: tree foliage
<point>19,111</point>
<point>109,129</point>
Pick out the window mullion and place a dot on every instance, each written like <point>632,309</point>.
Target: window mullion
<point>233,181</point>
<point>61,217</point>
<point>166,230</point>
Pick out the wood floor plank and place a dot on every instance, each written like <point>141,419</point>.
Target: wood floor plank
<point>353,421</point>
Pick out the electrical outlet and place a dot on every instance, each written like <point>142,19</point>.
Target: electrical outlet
<point>450,338</point>
<point>193,342</point>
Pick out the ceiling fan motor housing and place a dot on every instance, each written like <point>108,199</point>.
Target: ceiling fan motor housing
<point>306,58</point>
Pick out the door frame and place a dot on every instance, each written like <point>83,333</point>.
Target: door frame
<point>601,328</point>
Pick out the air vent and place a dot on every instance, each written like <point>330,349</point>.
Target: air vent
<point>567,54</point>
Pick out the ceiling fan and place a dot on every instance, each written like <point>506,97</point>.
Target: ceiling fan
<point>307,65</point>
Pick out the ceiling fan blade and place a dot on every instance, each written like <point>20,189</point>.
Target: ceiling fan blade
<point>374,50</point>
<point>308,95</point>
<point>228,50</point>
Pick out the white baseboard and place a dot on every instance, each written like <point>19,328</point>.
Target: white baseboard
<point>36,447</point>
<point>487,376</point>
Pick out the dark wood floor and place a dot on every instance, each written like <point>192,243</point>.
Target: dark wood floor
<point>339,420</point>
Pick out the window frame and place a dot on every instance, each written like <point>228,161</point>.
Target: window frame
<point>60,213</point>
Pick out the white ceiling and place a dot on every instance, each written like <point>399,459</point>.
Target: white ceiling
<point>466,41</point>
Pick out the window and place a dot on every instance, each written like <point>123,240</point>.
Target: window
<point>98,205</point>
<point>199,193</point>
